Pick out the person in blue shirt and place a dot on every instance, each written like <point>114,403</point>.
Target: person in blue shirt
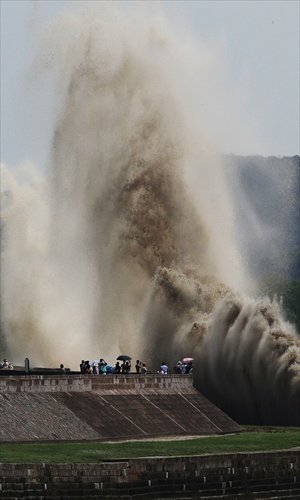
<point>163,368</point>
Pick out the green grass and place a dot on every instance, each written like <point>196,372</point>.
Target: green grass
<point>253,440</point>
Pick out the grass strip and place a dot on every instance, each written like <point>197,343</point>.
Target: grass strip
<point>85,452</point>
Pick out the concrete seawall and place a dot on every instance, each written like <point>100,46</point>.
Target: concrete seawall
<point>91,407</point>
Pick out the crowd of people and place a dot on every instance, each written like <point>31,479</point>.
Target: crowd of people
<point>124,366</point>
<point>101,367</point>
<point>183,368</point>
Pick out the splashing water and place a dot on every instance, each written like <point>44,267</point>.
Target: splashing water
<point>128,244</point>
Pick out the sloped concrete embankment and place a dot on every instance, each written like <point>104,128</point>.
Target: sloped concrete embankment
<point>45,408</point>
<point>232,476</point>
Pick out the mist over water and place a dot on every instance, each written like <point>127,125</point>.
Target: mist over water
<point>128,243</point>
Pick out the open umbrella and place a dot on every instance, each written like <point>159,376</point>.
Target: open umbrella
<point>187,360</point>
<point>123,357</point>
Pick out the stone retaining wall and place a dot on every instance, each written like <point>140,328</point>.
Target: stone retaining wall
<point>93,407</point>
<point>234,476</point>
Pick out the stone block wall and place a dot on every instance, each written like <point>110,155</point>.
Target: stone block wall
<point>234,476</point>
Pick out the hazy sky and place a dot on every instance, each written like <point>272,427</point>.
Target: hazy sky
<point>256,104</point>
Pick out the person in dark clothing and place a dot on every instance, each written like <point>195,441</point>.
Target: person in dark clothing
<point>138,366</point>
<point>127,367</point>
<point>117,367</point>
<point>87,367</point>
<point>188,368</point>
<point>178,368</point>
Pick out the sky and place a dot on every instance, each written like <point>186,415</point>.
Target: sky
<point>256,104</point>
